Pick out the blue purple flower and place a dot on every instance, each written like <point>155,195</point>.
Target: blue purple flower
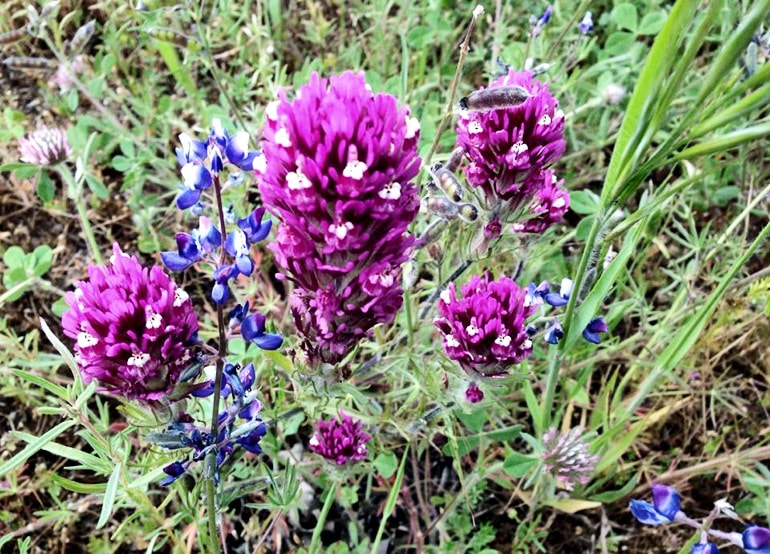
<point>663,509</point>
<point>704,548</point>
<point>594,328</point>
<point>586,24</point>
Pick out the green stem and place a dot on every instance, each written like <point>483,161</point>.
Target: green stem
<point>550,393</point>
<point>75,191</point>
<point>211,457</point>
<point>211,501</point>
<point>331,495</point>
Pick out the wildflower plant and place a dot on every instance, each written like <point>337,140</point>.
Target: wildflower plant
<point>382,314</point>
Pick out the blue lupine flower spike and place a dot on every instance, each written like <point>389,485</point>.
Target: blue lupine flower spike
<point>586,24</point>
<point>664,507</point>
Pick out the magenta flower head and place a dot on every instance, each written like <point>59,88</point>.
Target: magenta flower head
<point>664,507</point>
<point>549,204</point>
<point>485,330</point>
<point>340,440</point>
<point>507,145</point>
<point>133,328</point>
<point>336,169</point>
<point>45,146</point>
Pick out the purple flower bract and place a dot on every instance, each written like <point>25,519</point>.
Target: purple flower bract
<point>336,171</point>
<point>485,331</point>
<point>340,440</point>
<point>133,328</point>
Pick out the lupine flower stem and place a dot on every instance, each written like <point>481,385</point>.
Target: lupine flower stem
<point>211,457</point>
<point>550,391</point>
<point>331,495</point>
<point>74,190</point>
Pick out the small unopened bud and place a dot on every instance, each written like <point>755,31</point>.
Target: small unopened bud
<point>469,213</point>
<point>613,94</point>
<point>441,206</point>
<point>447,182</point>
<point>454,159</point>
<point>12,36</point>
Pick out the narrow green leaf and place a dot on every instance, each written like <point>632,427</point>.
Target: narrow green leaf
<point>61,349</point>
<point>109,496</point>
<point>87,460</point>
<point>725,142</point>
<point>80,488</point>
<point>43,383</point>
<point>37,444</point>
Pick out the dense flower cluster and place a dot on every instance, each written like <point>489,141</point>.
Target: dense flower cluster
<point>510,149</point>
<point>336,170</point>
<point>666,508</point>
<point>566,457</point>
<point>485,330</point>
<point>133,328</point>
<point>340,440</point>
<point>45,146</point>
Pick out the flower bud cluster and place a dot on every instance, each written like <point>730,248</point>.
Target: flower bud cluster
<point>666,508</point>
<point>45,146</point>
<point>566,457</point>
<point>336,170</point>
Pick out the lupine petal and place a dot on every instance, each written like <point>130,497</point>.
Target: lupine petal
<point>253,326</point>
<point>220,293</point>
<point>647,514</point>
<point>196,176</point>
<point>237,147</point>
<point>269,341</point>
<point>174,261</point>
<point>188,198</point>
<point>666,500</point>
<point>756,540</point>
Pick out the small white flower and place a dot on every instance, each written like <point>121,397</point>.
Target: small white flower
<point>297,180</point>
<point>519,147</point>
<point>445,296</point>
<point>271,110</point>
<point>259,164</point>
<point>355,170</point>
<point>282,138</point>
<point>559,202</point>
<point>503,340</point>
<point>180,297</point>
<point>138,360</point>
<point>451,341</point>
<point>544,120</point>
<point>475,128</point>
<point>391,191</point>
<point>86,340</point>
<point>154,321</point>
<point>412,127</point>
<point>341,230</point>
<point>472,330</point>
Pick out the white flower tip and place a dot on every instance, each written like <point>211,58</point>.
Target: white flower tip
<point>412,127</point>
<point>478,11</point>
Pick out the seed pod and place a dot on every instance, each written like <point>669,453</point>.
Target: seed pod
<point>12,36</point>
<point>494,99</point>
<point>166,35</point>
<point>81,38</point>
<point>468,212</point>
<point>454,159</point>
<point>442,206</point>
<point>448,182</point>
<point>24,62</point>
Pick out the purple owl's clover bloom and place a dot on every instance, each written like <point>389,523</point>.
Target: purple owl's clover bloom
<point>133,328</point>
<point>336,170</point>
<point>485,331</point>
<point>340,440</point>
<point>510,149</point>
<point>664,507</point>
<point>45,146</point>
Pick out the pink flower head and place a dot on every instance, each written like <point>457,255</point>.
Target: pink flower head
<point>485,330</point>
<point>566,457</point>
<point>340,440</point>
<point>133,328</point>
<point>336,170</point>
<point>45,146</point>
<point>506,145</point>
<point>550,203</point>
